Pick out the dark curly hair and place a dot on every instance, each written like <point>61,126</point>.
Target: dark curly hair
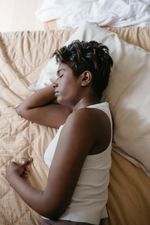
<point>92,56</point>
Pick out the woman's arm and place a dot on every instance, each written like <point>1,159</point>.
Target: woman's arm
<point>40,98</point>
<point>64,172</point>
<point>77,138</point>
<point>42,108</point>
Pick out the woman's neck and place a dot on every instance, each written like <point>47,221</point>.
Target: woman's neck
<point>86,101</point>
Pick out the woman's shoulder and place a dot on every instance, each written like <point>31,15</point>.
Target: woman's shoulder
<point>93,125</point>
<point>88,117</point>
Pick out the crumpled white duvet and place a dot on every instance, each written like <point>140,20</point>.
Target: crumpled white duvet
<point>116,13</point>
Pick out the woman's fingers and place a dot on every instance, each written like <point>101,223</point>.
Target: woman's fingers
<point>27,162</point>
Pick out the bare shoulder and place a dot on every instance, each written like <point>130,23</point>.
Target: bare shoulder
<point>88,117</point>
<point>93,125</point>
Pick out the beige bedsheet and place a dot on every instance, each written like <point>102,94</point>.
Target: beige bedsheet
<point>22,55</point>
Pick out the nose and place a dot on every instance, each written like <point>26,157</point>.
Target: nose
<point>55,84</point>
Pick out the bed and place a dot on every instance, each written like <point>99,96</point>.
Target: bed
<point>22,56</point>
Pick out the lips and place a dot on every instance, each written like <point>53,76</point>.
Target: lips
<point>56,93</point>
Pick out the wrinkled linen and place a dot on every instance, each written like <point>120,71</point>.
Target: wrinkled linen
<point>120,13</point>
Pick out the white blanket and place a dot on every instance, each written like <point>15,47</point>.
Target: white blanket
<point>116,13</point>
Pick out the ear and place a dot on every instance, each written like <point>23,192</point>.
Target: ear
<point>86,78</point>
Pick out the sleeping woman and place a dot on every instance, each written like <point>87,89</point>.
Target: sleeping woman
<point>79,156</point>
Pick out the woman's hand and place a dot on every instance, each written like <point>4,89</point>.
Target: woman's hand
<point>16,174</point>
<point>17,170</point>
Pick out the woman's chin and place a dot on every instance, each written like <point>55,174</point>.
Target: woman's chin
<point>60,100</point>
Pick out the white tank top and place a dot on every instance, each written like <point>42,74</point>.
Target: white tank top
<point>89,199</point>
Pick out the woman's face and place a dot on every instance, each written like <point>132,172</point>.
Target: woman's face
<point>67,86</point>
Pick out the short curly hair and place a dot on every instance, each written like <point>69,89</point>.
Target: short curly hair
<point>90,56</point>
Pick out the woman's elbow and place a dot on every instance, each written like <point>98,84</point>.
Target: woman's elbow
<point>53,211</point>
<point>55,215</point>
<point>21,111</point>
<point>52,216</point>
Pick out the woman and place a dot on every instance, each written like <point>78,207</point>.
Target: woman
<point>79,156</point>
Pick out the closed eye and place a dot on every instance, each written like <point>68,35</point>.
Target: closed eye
<point>60,75</point>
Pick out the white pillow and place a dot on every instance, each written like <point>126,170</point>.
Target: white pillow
<point>47,75</point>
<point>127,93</point>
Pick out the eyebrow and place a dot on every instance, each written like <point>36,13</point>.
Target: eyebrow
<point>58,71</point>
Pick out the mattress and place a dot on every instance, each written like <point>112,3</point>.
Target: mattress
<point>22,56</point>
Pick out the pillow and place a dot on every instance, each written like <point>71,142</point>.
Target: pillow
<point>47,75</point>
<point>127,93</point>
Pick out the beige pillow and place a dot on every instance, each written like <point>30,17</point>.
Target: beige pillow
<point>127,93</point>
